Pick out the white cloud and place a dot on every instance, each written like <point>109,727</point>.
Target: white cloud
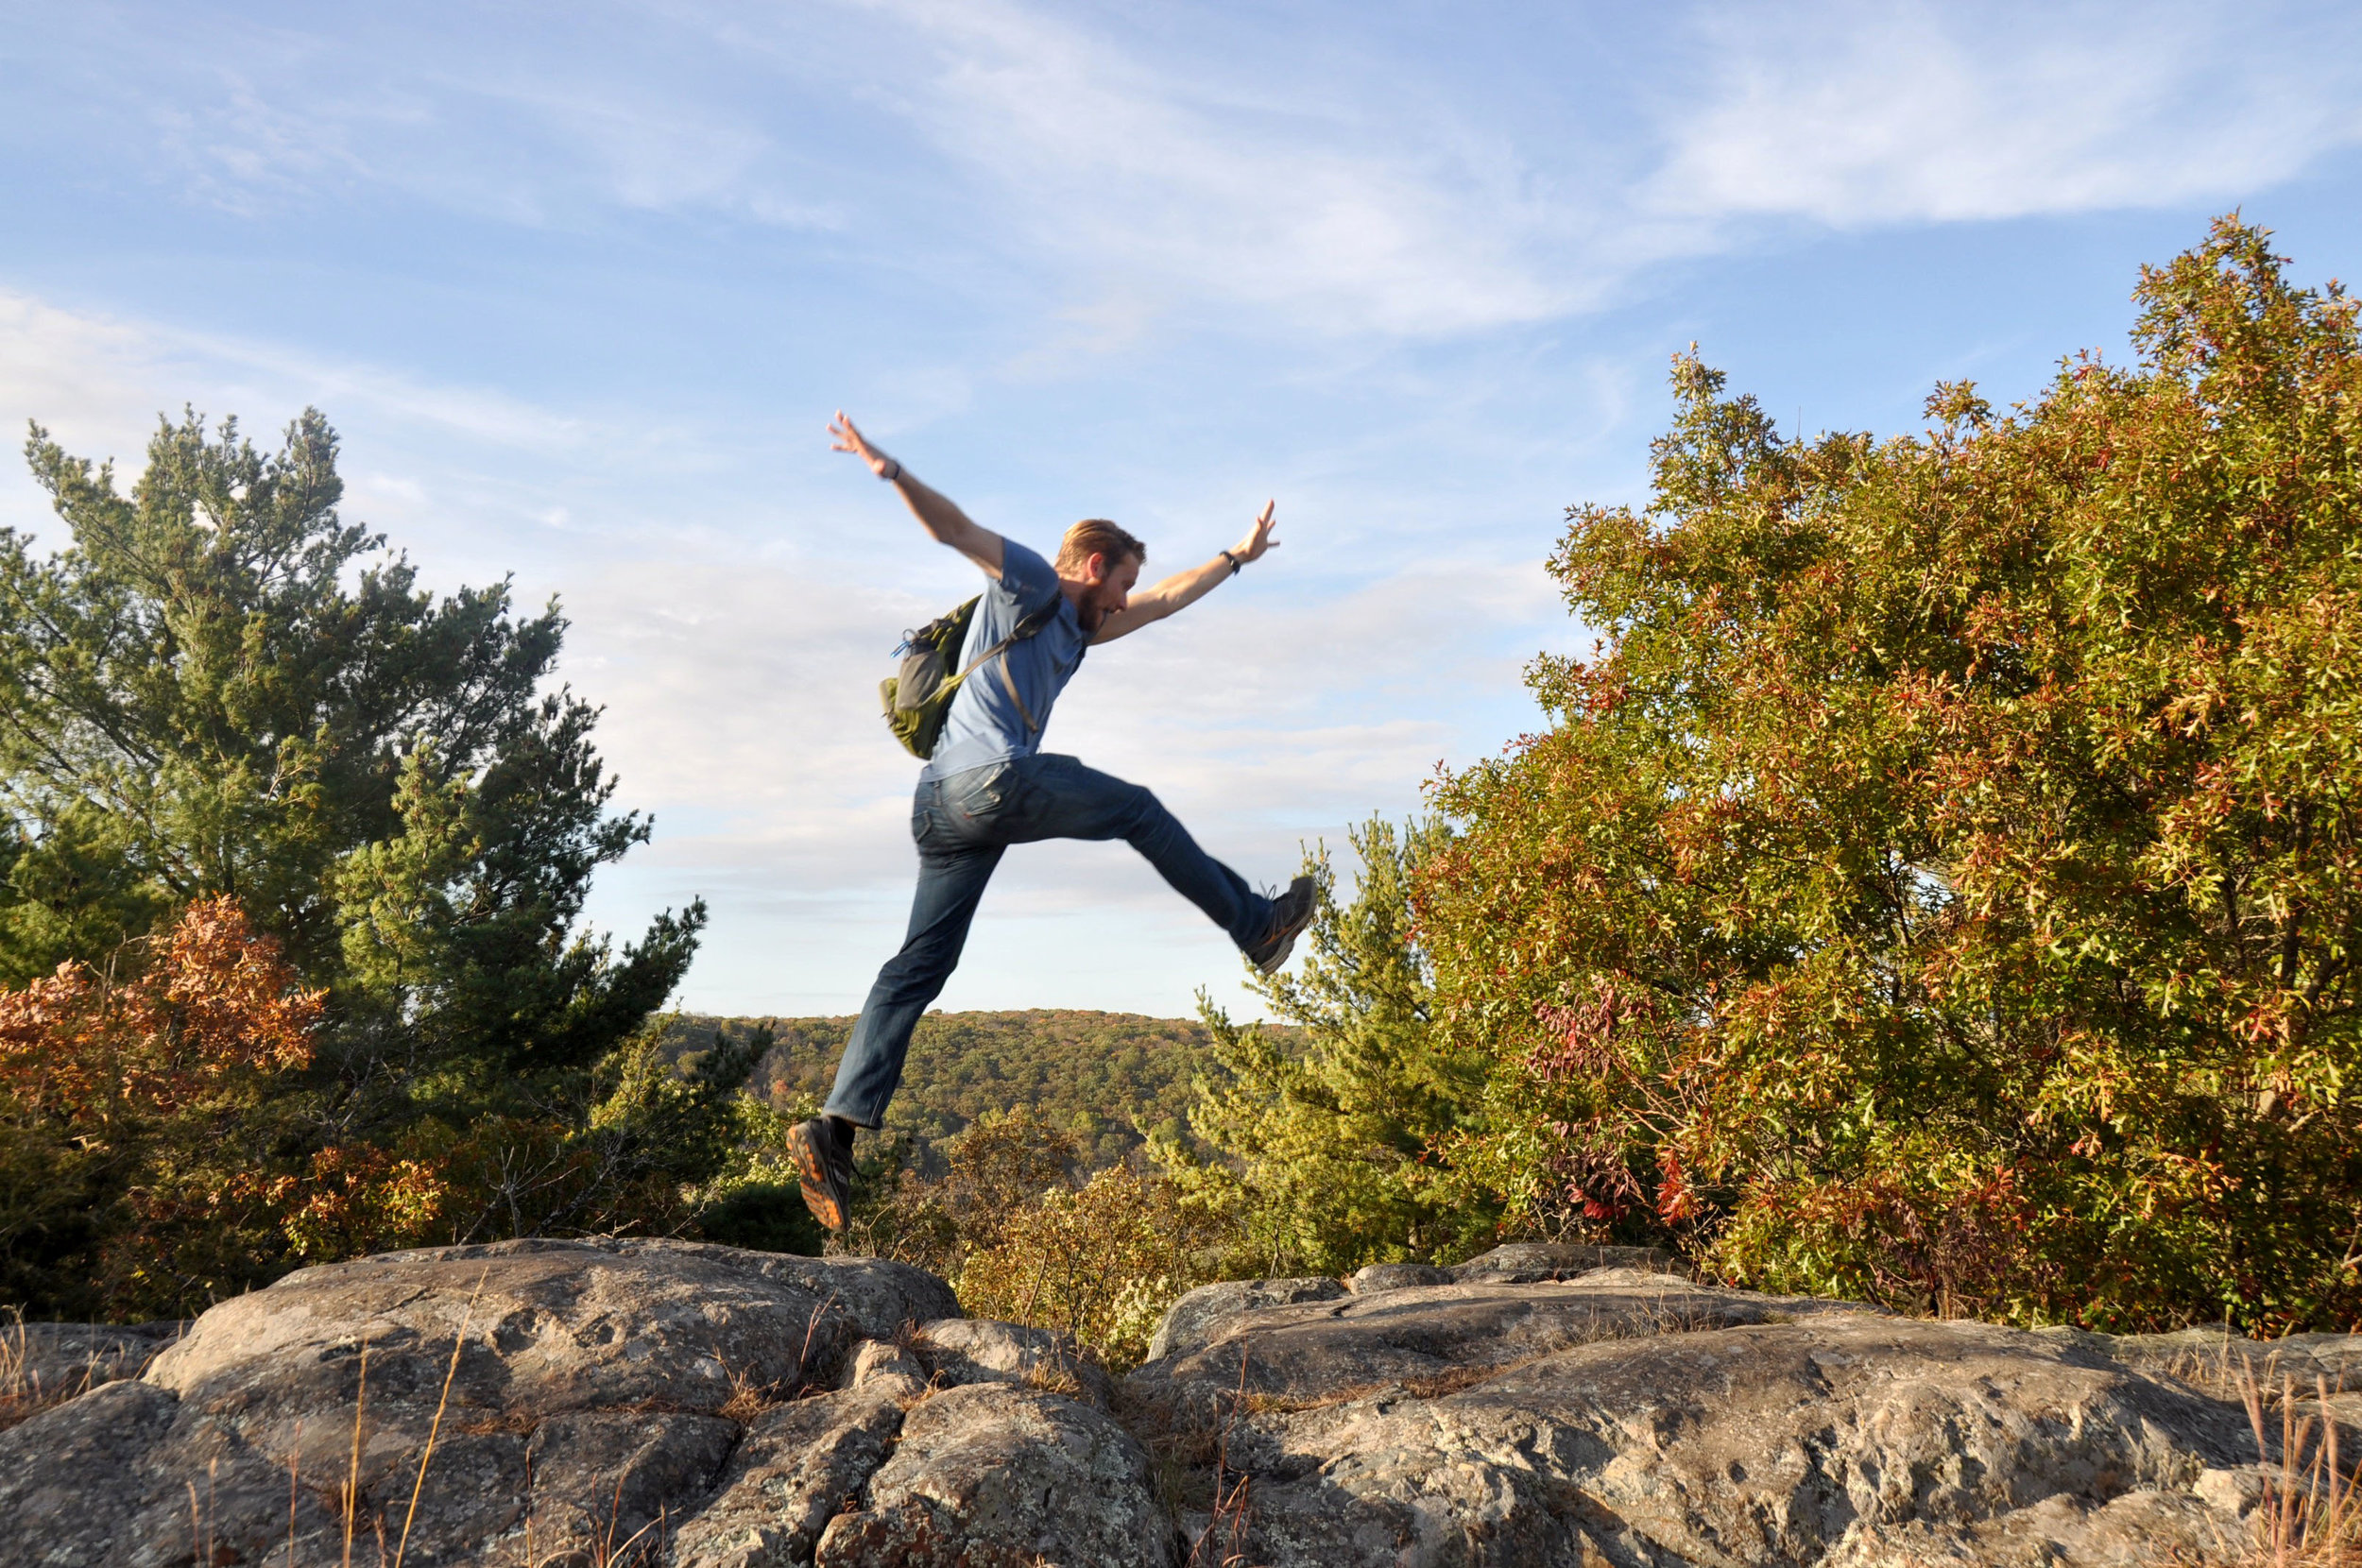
<point>1162,189</point>
<point>1219,174</point>
<point>85,370</point>
<point>1859,114</point>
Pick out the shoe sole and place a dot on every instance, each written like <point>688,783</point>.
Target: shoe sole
<point>812,1169</point>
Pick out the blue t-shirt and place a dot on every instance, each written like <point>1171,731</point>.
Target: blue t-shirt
<point>985,725</point>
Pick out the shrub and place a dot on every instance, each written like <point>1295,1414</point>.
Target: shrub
<point>1942,885</point>
<point>1025,1238</point>
<point>1325,1134</point>
<point>131,1110</point>
<point>1099,1263</point>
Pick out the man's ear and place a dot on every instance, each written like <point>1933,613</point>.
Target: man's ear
<point>1095,569</point>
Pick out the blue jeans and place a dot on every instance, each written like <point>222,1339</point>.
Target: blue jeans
<point>961,824</point>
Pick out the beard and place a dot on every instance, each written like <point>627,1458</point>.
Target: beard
<point>1092,612</point>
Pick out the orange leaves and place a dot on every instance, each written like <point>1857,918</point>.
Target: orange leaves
<point>153,1077</point>
<point>360,1199</point>
<point>228,995</point>
<point>206,1001</point>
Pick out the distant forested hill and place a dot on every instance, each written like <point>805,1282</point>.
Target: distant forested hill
<point>1108,1078</point>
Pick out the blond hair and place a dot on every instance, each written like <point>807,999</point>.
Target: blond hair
<point>1098,537</point>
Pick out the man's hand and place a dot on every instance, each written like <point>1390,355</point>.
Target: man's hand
<point>1257,537</point>
<point>844,437</point>
<point>1184,588</point>
<point>945,521</point>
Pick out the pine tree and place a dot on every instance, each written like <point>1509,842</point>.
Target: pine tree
<point>219,687</point>
<point>1331,1148</point>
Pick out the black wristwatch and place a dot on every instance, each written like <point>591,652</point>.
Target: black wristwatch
<point>1235,562</point>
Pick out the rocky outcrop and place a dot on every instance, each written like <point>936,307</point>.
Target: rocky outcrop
<point>677,1405</point>
<point>41,1363</point>
<point>1196,1317</point>
<point>1000,1473</point>
<point>798,1467</point>
<point>1528,1413</point>
<point>636,1401</point>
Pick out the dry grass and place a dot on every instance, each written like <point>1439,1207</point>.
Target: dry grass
<point>2310,1515</point>
<point>1053,1376</point>
<point>1222,1544</point>
<point>24,1393</point>
<point>750,1400</point>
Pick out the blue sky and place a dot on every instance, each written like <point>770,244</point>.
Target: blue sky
<point>580,285</point>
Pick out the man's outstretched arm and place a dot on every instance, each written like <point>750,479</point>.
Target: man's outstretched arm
<point>1177,592</point>
<point>947,522</point>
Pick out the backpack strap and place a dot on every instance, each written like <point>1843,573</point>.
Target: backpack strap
<point>1023,629</point>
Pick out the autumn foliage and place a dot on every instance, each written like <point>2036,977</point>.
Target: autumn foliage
<point>1943,884</point>
<point>215,685</point>
<point>1027,1235</point>
<point>213,1004</point>
<point>130,1100</point>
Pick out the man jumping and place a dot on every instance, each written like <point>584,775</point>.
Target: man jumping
<point>988,785</point>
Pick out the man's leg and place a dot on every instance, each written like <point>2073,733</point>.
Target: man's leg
<point>951,877</point>
<point>1059,798</point>
<point>950,882</point>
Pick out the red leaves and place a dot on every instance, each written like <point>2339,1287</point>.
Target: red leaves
<point>1587,1030</point>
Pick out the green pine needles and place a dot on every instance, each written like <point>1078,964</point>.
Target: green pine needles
<point>219,687</point>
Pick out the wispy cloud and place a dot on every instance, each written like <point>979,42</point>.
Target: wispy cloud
<point>64,363</point>
<point>1273,186</point>
<point>1334,213</point>
<point>1864,115</point>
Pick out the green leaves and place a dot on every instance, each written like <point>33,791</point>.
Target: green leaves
<point>1979,809</point>
<point>1330,1143</point>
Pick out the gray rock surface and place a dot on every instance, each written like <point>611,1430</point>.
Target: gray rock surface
<point>1536,1262</point>
<point>798,1467</point>
<point>1395,1276</point>
<point>1626,1416</point>
<point>41,1363</point>
<point>997,1474</point>
<point>2217,1355</point>
<point>660,1404</point>
<point>1429,1338</point>
<point>602,1391</point>
<point>105,1479</point>
<point>961,1351</point>
<point>887,1369</point>
<point>1189,1321</point>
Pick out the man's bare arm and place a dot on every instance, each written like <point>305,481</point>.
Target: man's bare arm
<point>1173,594</point>
<point>935,514</point>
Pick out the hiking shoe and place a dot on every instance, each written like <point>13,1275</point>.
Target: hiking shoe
<point>1290,913</point>
<point>823,1151</point>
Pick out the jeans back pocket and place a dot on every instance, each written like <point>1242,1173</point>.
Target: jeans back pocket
<point>978,794</point>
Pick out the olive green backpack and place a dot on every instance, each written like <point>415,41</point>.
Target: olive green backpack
<point>918,695</point>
